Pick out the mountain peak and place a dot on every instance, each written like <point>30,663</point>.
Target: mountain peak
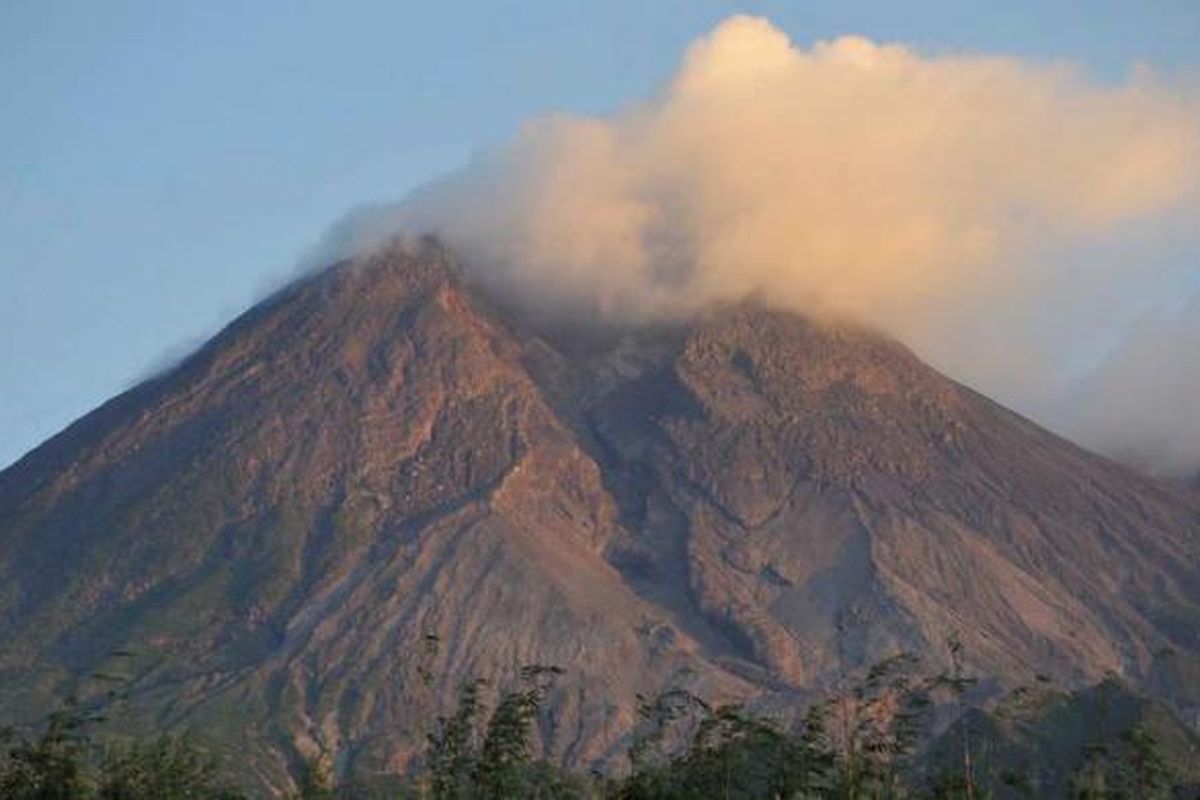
<point>748,503</point>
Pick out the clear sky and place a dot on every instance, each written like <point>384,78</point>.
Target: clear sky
<point>163,162</point>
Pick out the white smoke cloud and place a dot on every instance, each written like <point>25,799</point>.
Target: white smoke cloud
<point>941,199</point>
<point>1143,403</point>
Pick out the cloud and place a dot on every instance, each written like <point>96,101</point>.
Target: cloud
<point>1142,404</point>
<point>948,200</point>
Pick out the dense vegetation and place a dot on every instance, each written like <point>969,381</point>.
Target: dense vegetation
<point>872,739</point>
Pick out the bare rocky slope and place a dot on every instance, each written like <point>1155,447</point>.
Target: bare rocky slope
<point>267,538</point>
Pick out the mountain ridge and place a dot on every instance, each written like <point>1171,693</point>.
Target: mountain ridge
<point>381,455</point>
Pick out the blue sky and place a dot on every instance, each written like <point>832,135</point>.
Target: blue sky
<point>162,163</point>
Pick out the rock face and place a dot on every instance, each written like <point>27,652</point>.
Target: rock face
<point>378,476</point>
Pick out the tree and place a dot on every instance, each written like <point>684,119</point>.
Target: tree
<point>1143,771</point>
<point>168,766</point>
<point>50,767</point>
<point>462,763</point>
<point>315,782</point>
<point>451,755</point>
<point>736,755</point>
<point>502,771</point>
<point>874,726</point>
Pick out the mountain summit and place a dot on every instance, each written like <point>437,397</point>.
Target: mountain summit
<point>381,482</point>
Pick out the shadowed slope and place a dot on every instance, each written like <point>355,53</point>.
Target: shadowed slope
<point>828,481</point>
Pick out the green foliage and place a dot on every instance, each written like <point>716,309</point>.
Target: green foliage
<point>858,743</point>
<point>653,771</point>
<point>1102,742</point>
<point>315,782</point>
<point>501,771</point>
<point>165,767</point>
<point>656,719</point>
<point>734,755</point>
<point>872,739</point>
<point>495,764</point>
<point>49,767</point>
<point>63,763</point>
<point>962,778</point>
<point>1144,770</point>
<point>1132,768</point>
<point>869,739</point>
<point>452,748</point>
<point>874,727</point>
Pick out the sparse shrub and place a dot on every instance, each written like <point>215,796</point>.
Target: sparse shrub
<point>167,767</point>
<point>50,766</point>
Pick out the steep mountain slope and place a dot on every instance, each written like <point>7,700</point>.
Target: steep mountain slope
<point>828,480</point>
<point>274,527</point>
<point>379,458</point>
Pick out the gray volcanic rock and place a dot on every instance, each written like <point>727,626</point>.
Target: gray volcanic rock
<point>379,458</point>
<point>828,481</point>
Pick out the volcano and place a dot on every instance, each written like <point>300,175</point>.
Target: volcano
<point>383,481</point>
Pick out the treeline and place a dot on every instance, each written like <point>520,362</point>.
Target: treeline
<point>872,739</point>
<point>64,763</point>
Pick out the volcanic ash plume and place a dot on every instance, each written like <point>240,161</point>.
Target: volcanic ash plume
<point>944,200</point>
<point>1143,403</point>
